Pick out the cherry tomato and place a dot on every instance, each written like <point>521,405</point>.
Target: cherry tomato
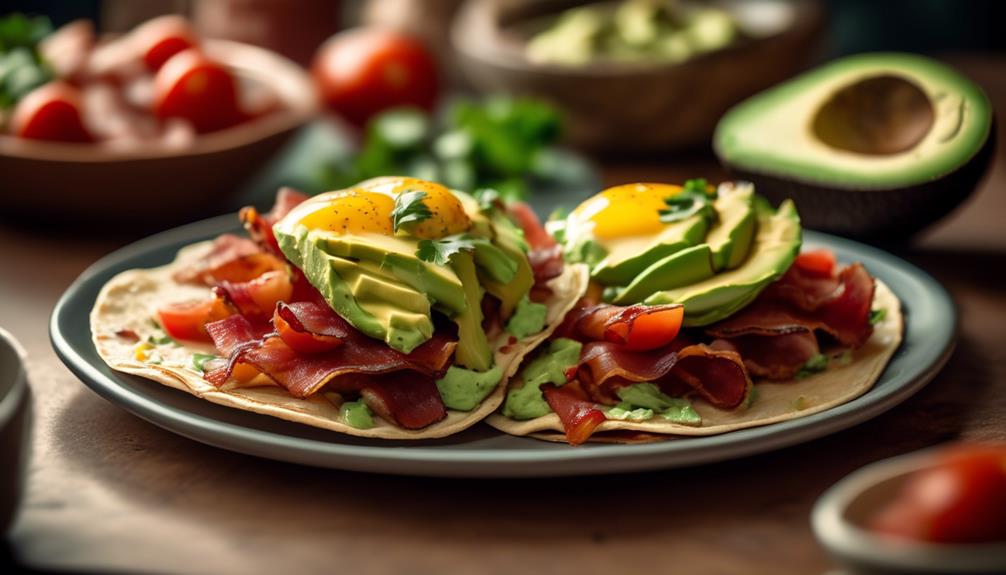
<point>653,330</point>
<point>187,320</point>
<point>364,71</point>
<point>161,38</point>
<point>194,88</point>
<point>961,499</point>
<point>817,263</point>
<point>50,112</point>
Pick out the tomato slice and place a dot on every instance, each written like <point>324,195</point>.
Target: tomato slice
<point>50,112</point>
<point>817,262</point>
<point>161,38</point>
<point>578,415</point>
<point>257,298</point>
<point>648,331</point>
<point>298,338</point>
<point>187,320</point>
<point>194,88</point>
<point>961,499</point>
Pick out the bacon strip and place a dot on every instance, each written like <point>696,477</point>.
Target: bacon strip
<point>639,327</point>
<point>231,258</point>
<point>412,403</point>
<point>545,255</point>
<point>776,333</point>
<point>259,226</point>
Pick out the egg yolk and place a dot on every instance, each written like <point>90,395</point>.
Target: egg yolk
<point>368,208</point>
<point>627,210</point>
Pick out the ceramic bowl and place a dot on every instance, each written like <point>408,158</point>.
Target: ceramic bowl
<point>14,416</point>
<point>155,182</point>
<point>631,107</point>
<point>840,515</point>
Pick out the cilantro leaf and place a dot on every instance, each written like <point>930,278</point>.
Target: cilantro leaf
<point>439,252</point>
<point>877,316</point>
<point>693,198</point>
<point>816,364</point>
<point>199,360</point>
<point>409,207</point>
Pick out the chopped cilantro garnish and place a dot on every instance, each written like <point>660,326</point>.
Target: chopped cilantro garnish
<point>439,252</point>
<point>693,198</point>
<point>199,360</point>
<point>815,364</point>
<point>409,207</point>
<point>877,316</point>
<point>160,339</point>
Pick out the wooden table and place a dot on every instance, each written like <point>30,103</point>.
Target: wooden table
<point>109,491</point>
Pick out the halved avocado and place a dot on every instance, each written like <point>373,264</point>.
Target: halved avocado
<point>873,145</point>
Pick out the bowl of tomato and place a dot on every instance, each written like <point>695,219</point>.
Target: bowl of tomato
<point>940,510</point>
<point>154,125</point>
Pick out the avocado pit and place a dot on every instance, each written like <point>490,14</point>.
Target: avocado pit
<point>878,115</point>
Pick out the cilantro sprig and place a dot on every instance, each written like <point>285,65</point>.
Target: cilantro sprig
<point>439,252</point>
<point>692,199</point>
<point>409,207</point>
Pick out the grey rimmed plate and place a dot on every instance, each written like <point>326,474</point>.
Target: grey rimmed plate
<point>481,451</point>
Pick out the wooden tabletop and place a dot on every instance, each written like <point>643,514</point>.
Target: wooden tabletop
<point>109,491</point>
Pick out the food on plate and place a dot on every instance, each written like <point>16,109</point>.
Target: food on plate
<point>632,31</point>
<point>702,316</point>
<point>364,71</point>
<point>866,135</point>
<point>396,308</point>
<point>157,84</point>
<point>502,143</point>
<point>960,498</point>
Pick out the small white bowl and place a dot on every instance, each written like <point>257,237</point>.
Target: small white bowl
<point>839,522</point>
<point>15,410</point>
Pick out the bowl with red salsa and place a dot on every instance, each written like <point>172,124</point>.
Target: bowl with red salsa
<point>154,124</point>
<point>940,510</point>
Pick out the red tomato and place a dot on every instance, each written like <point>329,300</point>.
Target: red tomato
<point>192,87</point>
<point>50,112</point>
<point>161,38</point>
<point>817,263</point>
<point>653,330</point>
<point>299,340</point>
<point>578,415</point>
<point>961,499</point>
<point>187,320</point>
<point>364,71</point>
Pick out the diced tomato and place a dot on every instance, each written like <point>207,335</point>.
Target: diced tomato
<point>194,88</point>
<point>818,262</point>
<point>50,112</point>
<point>299,339</point>
<point>187,320</point>
<point>960,499</point>
<point>578,415</point>
<point>652,330</point>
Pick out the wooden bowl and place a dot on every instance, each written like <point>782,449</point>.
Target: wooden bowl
<point>155,182</point>
<point>839,520</point>
<point>631,107</point>
<point>15,405</point>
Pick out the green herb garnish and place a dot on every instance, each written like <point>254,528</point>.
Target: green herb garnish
<point>409,207</point>
<point>815,364</point>
<point>160,339</point>
<point>199,360</point>
<point>21,67</point>
<point>489,199</point>
<point>693,198</point>
<point>877,316</point>
<point>439,252</point>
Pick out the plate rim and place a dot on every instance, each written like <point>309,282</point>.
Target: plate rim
<point>481,462</point>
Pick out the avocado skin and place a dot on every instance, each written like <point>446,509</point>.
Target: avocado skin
<point>882,215</point>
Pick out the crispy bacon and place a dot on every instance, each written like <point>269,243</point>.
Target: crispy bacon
<point>257,298</point>
<point>231,258</point>
<point>776,333</point>
<point>717,375</point>
<point>545,254</point>
<point>578,415</point>
<point>259,226</point>
<point>412,403</point>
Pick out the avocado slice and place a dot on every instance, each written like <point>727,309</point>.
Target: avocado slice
<point>511,243</point>
<point>360,293</point>
<point>876,145</point>
<point>628,257</point>
<point>730,237</point>
<point>682,268</point>
<point>473,351</point>
<point>775,247</point>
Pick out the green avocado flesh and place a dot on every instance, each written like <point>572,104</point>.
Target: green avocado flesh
<point>525,399</point>
<point>379,285</point>
<point>631,256</point>
<point>867,122</point>
<point>775,245</point>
